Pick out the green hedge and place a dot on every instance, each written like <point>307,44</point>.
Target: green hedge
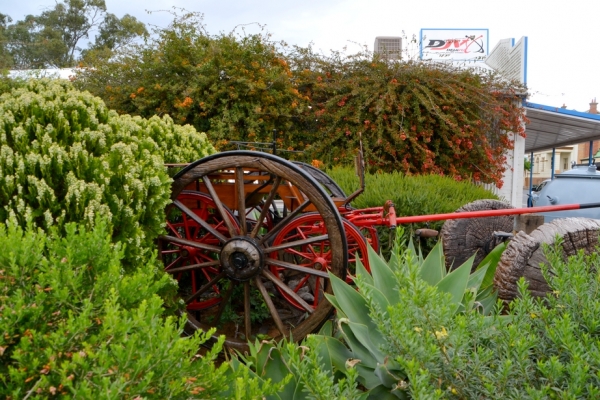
<point>73,325</point>
<point>65,157</point>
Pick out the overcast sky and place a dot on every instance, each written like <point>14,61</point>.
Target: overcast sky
<point>563,57</point>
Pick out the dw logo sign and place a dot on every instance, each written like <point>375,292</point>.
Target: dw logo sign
<point>470,44</point>
<point>454,44</point>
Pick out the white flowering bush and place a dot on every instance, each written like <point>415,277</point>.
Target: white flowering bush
<point>64,156</point>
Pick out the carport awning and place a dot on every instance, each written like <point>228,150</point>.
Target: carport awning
<point>550,127</point>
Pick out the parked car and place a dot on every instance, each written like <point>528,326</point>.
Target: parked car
<point>577,186</point>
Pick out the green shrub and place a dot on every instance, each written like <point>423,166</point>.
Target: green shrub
<point>73,324</point>
<point>65,157</point>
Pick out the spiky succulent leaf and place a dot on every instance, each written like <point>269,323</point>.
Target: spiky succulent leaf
<point>433,268</point>
<point>350,302</point>
<point>456,281</point>
<point>362,272</point>
<point>383,276</point>
<point>492,258</point>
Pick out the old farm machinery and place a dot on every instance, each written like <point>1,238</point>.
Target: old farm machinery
<point>252,238</point>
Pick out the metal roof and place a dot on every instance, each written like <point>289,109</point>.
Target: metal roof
<point>550,127</point>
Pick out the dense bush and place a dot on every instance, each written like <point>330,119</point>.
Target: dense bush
<point>412,116</point>
<point>65,157</point>
<point>72,324</point>
<point>411,194</point>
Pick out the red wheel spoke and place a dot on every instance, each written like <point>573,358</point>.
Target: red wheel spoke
<point>297,243</point>
<point>284,222</point>
<point>304,255</point>
<point>172,229</point>
<point>316,291</point>
<point>177,260</point>
<point>301,283</point>
<point>189,213</point>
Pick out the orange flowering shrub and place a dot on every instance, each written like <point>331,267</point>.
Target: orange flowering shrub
<point>412,117</point>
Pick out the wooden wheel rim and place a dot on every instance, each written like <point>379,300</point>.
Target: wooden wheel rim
<point>311,190</point>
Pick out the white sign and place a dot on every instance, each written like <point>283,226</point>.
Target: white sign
<point>510,59</point>
<point>454,44</point>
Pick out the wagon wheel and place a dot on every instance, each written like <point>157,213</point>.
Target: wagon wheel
<point>524,254</point>
<point>181,259</point>
<point>240,259</point>
<point>462,238</point>
<point>316,254</point>
<point>330,185</point>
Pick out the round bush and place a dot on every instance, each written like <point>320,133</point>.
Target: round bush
<point>65,157</point>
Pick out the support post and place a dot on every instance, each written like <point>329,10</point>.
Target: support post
<point>591,151</point>
<point>552,164</point>
<point>530,174</point>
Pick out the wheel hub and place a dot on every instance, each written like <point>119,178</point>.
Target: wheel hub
<point>320,263</point>
<point>242,258</point>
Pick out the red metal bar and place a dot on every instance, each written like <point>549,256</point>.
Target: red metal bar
<point>493,213</point>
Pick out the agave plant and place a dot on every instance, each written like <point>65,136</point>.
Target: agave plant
<point>353,352</point>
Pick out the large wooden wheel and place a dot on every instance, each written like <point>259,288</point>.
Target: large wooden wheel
<point>223,259</point>
<point>524,254</point>
<point>462,238</point>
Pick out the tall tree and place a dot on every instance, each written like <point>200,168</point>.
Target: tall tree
<point>5,57</point>
<point>56,36</point>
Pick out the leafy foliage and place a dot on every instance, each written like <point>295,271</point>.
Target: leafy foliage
<point>364,315</point>
<point>74,325</point>
<point>65,157</point>
<point>231,88</point>
<point>305,371</point>
<point>358,353</point>
<point>53,38</point>
<point>410,331</point>
<point>6,60</point>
